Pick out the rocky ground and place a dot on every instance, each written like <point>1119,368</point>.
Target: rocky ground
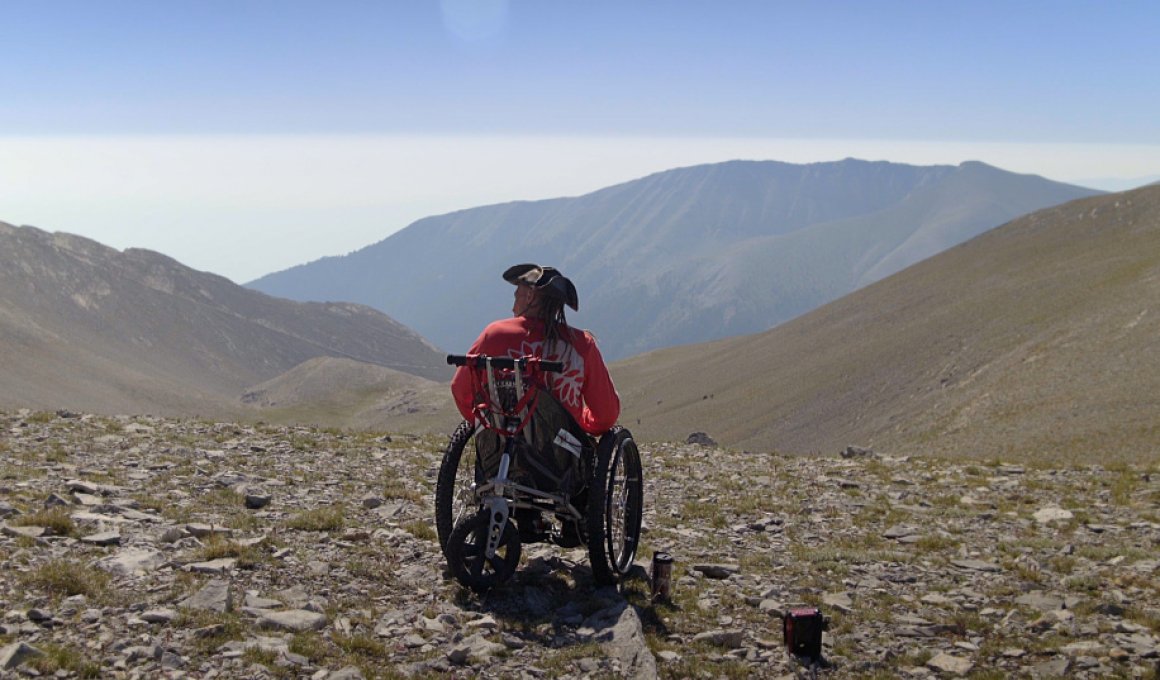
<point>144,548</point>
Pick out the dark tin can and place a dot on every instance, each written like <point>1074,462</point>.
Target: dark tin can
<point>662,576</point>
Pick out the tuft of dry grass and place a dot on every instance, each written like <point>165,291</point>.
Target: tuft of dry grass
<point>65,578</point>
<point>55,519</point>
<point>329,518</point>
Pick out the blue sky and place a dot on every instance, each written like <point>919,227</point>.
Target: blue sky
<point>212,131</point>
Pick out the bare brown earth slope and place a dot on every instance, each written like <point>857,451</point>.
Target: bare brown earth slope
<point>1038,339</point>
<point>85,326</point>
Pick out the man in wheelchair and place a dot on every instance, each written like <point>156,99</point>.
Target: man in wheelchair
<point>535,393</point>
<point>539,328</point>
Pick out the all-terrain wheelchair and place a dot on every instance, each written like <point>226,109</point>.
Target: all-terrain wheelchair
<point>506,479</point>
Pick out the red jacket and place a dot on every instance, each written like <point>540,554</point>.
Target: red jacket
<point>584,388</point>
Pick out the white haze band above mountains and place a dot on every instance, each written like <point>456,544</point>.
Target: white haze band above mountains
<point>682,256</point>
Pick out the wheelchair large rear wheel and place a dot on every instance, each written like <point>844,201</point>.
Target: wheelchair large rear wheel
<point>459,472</point>
<point>466,552</point>
<point>615,507</point>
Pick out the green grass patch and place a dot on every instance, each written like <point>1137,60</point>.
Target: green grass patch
<point>421,529</point>
<point>936,543</point>
<point>211,629</point>
<point>217,547</point>
<point>401,489</point>
<point>65,578</point>
<point>62,658</point>
<point>55,519</point>
<point>328,518</point>
<point>310,645</point>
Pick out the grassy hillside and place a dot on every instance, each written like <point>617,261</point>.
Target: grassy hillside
<point>1035,340</point>
<point>350,394</point>
<point>84,326</point>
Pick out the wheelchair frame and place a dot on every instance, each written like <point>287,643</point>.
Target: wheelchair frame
<point>482,547</point>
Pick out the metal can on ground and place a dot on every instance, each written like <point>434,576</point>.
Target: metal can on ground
<point>662,576</point>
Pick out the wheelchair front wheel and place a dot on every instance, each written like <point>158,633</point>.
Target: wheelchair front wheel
<point>466,552</point>
<point>459,472</point>
<point>615,507</point>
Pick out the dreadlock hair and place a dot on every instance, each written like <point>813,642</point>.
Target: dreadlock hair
<point>552,310</point>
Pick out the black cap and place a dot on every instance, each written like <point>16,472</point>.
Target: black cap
<point>546,279</point>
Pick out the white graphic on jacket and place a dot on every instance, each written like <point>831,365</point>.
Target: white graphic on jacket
<point>566,386</point>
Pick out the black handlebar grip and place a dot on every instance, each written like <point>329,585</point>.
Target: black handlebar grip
<point>503,362</point>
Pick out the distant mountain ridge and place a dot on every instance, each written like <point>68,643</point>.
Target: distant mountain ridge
<point>85,326</point>
<point>681,256</point>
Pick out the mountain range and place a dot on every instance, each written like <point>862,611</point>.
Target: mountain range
<point>682,256</point>
<point>85,326</point>
<point>1033,339</point>
<point>1038,339</point>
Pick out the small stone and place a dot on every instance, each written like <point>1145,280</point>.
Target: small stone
<point>77,485</point>
<point>772,607</point>
<point>17,653</point>
<point>730,639</point>
<point>218,566</point>
<point>1040,600</point>
<point>255,601</point>
<point>355,535</point>
<point>256,500</point>
<point>487,623</point>
<point>174,534</point>
<point>950,664</point>
<point>977,565</point>
<point>133,561</point>
<point>103,538</point>
<point>717,571</point>
<point>1083,648</point>
<point>701,439</point>
<point>1056,668</point>
<point>475,647</point>
<point>203,530</point>
<point>23,532</point>
<point>900,531</point>
<point>858,452</point>
<point>160,615</point>
<point>936,599</point>
<point>1052,514</point>
<point>55,500</point>
<point>840,601</point>
<point>213,596</point>
<point>294,620</point>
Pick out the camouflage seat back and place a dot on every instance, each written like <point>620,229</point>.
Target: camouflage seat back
<point>551,446</point>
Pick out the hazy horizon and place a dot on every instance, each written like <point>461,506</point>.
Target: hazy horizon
<point>245,138</point>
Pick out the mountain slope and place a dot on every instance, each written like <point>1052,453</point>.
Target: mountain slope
<point>351,394</point>
<point>681,256</point>
<point>86,326</point>
<point>1037,339</point>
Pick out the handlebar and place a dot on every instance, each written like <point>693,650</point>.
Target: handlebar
<point>481,361</point>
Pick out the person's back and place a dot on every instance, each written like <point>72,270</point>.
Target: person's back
<point>539,328</point>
